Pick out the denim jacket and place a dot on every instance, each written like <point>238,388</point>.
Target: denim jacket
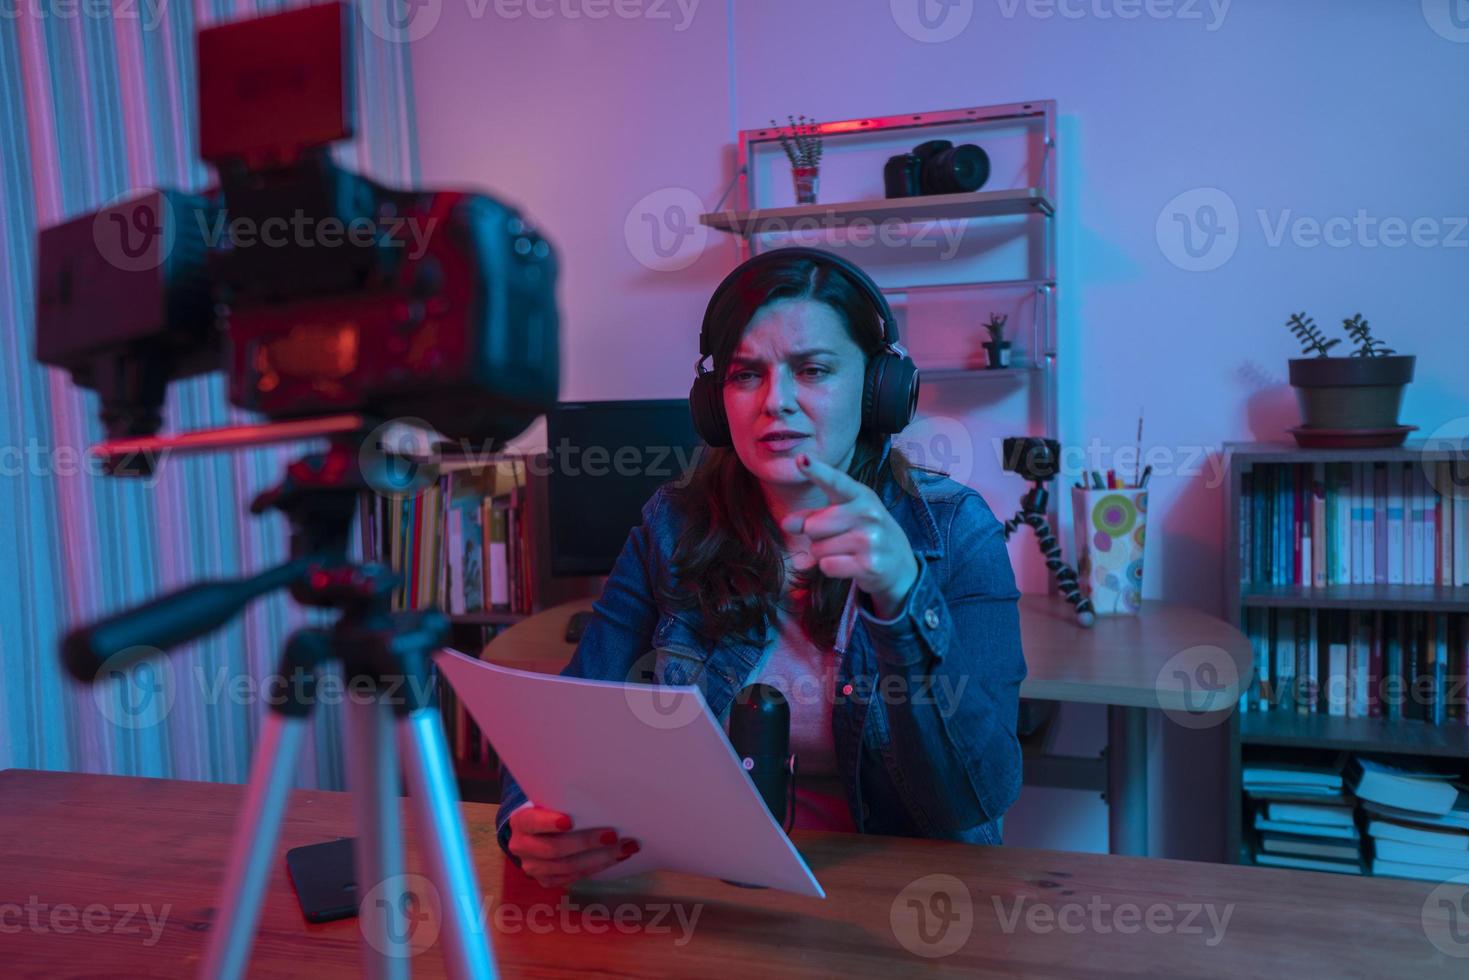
<point>925,704</point>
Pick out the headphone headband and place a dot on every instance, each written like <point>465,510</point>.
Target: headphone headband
<point>831,260</point>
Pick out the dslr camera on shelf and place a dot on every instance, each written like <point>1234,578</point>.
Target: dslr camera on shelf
<point>936,167</point>
<point>457,328</point>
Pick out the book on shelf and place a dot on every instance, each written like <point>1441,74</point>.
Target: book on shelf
<point>1391,819</point>
<point>462,544</point>
<point>1323,814</point>
<point>1310,847</point>
<point>1452,861</point>
<point>1298,829</point>
<point>1413,833</point>
<point>1455,819</point>
<point>1319,524</point>
<point>1307,863</point>
<point>1428,791</point>
<point>1359,663</point>
<point>1292,779</point>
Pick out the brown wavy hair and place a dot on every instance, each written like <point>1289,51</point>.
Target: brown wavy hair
<point>728,562</point>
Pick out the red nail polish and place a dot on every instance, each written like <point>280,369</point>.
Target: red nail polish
<point>608,837</point>
<point>803,460</point>
<point>563,822</point>
<point>629,848</point>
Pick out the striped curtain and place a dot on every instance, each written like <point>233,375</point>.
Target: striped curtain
<point>92,108</point>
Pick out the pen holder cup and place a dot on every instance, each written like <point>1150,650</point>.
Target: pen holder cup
<point>1110,529</point>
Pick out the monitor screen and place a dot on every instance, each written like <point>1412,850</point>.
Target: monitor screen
<point>605,459</point>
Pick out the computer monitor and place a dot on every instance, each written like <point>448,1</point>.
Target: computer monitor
<point>605,460</point>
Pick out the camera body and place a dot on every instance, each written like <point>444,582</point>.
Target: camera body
<point>315,289</point>
<point>936,167</point>
<point>1033,458</point>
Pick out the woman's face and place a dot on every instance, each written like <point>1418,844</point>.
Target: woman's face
<point>794,386</point>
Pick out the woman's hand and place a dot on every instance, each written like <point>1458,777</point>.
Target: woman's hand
<point>854,537</point>
<point>554,854</point>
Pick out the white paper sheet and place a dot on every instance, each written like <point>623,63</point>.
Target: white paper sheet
<point>649,761</point>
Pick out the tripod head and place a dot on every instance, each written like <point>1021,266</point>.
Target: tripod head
<point>318,494</point>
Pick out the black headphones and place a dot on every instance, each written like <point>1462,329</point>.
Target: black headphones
<point>889,394</point>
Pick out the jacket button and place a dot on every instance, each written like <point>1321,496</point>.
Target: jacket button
<point>931,618</point>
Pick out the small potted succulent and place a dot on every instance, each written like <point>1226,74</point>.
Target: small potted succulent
<point>1355,398</point>
<point>997,348</point>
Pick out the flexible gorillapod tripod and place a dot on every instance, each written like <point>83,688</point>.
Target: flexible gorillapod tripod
<point>385,652</point>
<point>1033,512</point>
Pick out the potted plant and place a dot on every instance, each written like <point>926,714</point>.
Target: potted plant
<point>997,348</point>
<point>1351,400</point>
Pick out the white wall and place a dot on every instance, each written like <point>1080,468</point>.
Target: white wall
<point>1298,111</point>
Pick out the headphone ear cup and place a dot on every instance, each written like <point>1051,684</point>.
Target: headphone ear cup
<point>706,406</point>
<point>890,395</point>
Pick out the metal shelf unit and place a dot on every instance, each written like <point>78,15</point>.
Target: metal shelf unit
<point>750,221</point>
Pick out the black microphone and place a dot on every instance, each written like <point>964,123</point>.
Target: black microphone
<point>760,732</point>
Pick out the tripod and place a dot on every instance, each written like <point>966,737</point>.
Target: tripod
<point>1033,512</point>
<point>383,654</point>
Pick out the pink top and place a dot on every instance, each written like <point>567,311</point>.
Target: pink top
<point>806,674</point>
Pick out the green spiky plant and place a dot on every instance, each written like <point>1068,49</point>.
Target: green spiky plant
<point>996,327</point>
<point>1310,336</point>
<point>1367,345</point>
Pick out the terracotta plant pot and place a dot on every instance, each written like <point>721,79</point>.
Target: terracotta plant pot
<point>1351,392</point>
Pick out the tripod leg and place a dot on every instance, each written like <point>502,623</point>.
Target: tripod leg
<point>253,849</point>
<point>435,802</point>
<point>373,779</point>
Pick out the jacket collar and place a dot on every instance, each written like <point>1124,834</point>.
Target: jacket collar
<point>911,511</point>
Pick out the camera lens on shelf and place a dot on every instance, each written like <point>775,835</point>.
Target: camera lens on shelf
<point>949,169</point>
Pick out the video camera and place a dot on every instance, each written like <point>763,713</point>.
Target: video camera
<point>296,277</point>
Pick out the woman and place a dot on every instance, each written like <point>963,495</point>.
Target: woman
<point>876,596</point>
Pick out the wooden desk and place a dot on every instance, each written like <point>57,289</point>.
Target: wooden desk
<point>1170,657</point>
<point>110,844</point>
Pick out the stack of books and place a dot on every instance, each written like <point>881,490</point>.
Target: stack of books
<point>1303,819</point>
<point>1364,523</point>
<point>1417,820</point>
<point>1360,664</point>
<point>462,544</point>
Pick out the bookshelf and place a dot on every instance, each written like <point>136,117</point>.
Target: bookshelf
<point>1385,599</point>
<point>417,537</point>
